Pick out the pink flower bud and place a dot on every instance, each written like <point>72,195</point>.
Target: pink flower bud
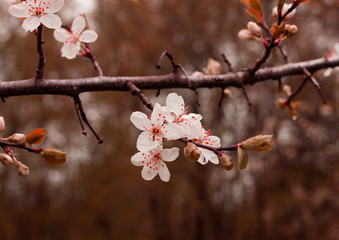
<point>2,124</point>
<point>22,169</point>
<point>16,138</point>
<point>6,159</point>
<point>245,35</point>
<point>254,28</point>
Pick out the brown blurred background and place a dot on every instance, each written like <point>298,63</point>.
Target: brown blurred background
<point>291,192</point>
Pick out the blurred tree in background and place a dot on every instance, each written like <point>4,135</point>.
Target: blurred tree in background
<point>289,193</point>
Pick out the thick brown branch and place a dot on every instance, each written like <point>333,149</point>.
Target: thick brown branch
<point>72,87</point>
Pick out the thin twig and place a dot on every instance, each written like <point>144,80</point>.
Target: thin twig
<point>79,108</point>
<point>228,63</point>
<point>136,91</point>
<point>88,53</point>
<point>42,60</point>
<point>247,98</point>
<point>315,84</point>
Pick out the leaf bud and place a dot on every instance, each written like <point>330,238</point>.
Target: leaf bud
<point>197,74</point>
<point>22,169</point>
<point>2,124</point>
<point>254,29</point>
<point>242,158</point>
<point>258,143</point>
<point>6,159</point>
<point>227,161</point>
<point>16,138</point>
<point>192,152</point>
<point>53,155</point>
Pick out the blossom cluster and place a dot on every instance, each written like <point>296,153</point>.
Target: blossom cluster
<point>165,123</point>
<point>36,12</point>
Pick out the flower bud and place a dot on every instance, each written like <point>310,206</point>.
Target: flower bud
<point>287,89</point>
<point>227,161</point>
<point>245,35</point>
<point>6,159</point>
<point>2,124</point>
<point>254,28</point>
<point>281,102</point>
<point>292,29</point>
<point>16,138</point>
<point>258,143</point>
<point>227,93</point>
<point>242,158</point>
<point>192,152</point>
<point>22,169</point>
<point>284,10</point>
<point>213,67</point>
<point>53,155</point>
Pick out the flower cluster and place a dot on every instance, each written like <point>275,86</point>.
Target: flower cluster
<point>170,122</point>
<point>37,12</point>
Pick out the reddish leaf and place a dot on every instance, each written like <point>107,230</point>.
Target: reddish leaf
<point>36,136</point>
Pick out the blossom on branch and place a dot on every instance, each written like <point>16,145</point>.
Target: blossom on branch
<point>36,12</point>
<point>2,124</point>
<point>73,38</point>
<point>153,162</point>
<point>199,135</point>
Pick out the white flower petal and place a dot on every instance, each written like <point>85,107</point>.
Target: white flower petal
<point>51,20</point>
<point>148,172</point>
<point>141,121</point>
<point>175,103</point>
<point>52,6</point>
<point>140,158</point>
<point>145,142</point>
<point>19,10</point>
<point>70,50</point>
<point>78,25</point>
<point>195,130</point>
<point>169,154</point>
<point>164,173</point>
<point>213,141</point>
<point>209,155</point>
<point>61,34</point>
<point>202,159</point>
<point>88,36</point>
<point>157,117</point>
<point>173,131</point>
<point>31,23</point>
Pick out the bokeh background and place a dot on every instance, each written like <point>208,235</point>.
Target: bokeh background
<point>291,192</point>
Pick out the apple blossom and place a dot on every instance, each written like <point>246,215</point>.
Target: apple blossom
<point>38,12</point>
<point>153,162</point>
<point>73,38</point>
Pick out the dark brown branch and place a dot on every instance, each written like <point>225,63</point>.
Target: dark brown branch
<point>72,87</point>
<point>136,91</point>
<point>228,63</point>
<point>42,60</point>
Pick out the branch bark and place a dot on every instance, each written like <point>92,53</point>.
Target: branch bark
<point>73,87</point>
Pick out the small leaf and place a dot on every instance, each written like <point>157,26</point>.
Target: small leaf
<point>256,5</point>
<point>36,136</point>
<point>53,156</point>
<point>280,5</point>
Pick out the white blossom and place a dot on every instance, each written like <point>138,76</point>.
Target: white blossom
<point>36,12</point>
<point>153,162</point>
<point>73,38</point>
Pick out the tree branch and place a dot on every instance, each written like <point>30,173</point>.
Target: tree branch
<point>72,87</point>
